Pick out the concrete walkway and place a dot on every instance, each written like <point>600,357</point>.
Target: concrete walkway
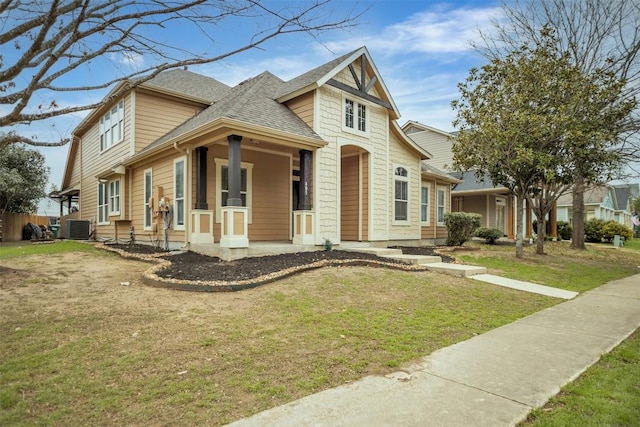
<point>494,379</point>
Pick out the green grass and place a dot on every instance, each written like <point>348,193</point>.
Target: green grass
<point>561,267</point>
<point>607,394</point>
<point>44,248</point>
<point>70,356</point>
<point>168,361</point>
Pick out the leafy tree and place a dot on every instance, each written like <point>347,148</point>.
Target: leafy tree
<point>23,177</point>
<point>48,47</point>
<point>598,35</point>
<point>522,119</point>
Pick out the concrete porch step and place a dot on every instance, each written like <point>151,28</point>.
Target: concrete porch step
<point>414,259</point>
<point>456,269</point>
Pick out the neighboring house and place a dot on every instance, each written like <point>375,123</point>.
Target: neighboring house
<point>472,194</point>
<point>51,208</point>
<point>319,157</point>
<point>606,202</point>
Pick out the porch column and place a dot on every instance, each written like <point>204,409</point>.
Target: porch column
<point>234,216</point>
<point>235,175</point>
<point>304,198</point>
<point>201,178</point>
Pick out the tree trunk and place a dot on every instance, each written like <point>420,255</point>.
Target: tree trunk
<point>519,226</point>
<point>577,235</point>
<point>542,228</point>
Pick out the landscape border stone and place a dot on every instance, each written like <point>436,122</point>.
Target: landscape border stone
<point>150,277</point>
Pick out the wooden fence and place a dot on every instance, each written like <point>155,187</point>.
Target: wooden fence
<point>11,225</point>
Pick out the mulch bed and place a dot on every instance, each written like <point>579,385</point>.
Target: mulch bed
<point>189,267</point>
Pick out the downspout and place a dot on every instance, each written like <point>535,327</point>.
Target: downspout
<point>435,219</point>
<point>187,154</point>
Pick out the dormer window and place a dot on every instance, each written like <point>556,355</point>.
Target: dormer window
<point>355,117</point>
<point>112,127</point>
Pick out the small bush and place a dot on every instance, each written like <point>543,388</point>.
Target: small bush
<point>611,228</point>
<point>489,234</point>
<point>565,231</point>
<point>593,230</point>
<point>461,226</point>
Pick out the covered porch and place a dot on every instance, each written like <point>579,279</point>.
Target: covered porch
<point>249,195</point>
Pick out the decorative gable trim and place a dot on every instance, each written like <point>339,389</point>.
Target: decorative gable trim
<point>362,87</point>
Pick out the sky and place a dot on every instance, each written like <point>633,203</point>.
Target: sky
<point>420,47</point>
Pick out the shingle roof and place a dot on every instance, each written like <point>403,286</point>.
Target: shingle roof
<point>432,170</point>
<point>251,101</point>
<point>190,84</point>
<point>311,76</point>
<point>472,183</point>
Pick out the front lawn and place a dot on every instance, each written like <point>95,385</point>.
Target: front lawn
<point>561,267</point>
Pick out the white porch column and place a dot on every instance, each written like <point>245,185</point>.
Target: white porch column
<point>234,227</point>
<point>303,231</point>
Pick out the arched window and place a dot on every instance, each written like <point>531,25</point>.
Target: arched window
<point>401,194</point>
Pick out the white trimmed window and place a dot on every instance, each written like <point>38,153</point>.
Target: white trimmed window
<point>148,181</point>
<point>179,181</point>
<point>114,197</point>
<point>222,185</point>
<point>442,206</point>
<point>355,117</point>
<point>112,127</point>
<point>401,194</point>
<point>103,203</point>
<point>424,205</point>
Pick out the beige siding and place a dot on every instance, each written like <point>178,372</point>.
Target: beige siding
<point>438,145</point>
<point>330,117</point>
<point>303,107</point>
<point>95,162</point>
<point>156,115</point>
<point>433,230</point>
<point>271,193</point>
<point>162,176</point>
<point>75,172</point>
<point>401,156</point>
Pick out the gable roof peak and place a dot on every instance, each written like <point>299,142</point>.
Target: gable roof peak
<point>325,73</point>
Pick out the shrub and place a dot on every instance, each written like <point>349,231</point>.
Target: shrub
<point>611,228</point>
<point>461,226</point>
<point>565,230</point>
<point>593,230</point>
<point>489,234</point>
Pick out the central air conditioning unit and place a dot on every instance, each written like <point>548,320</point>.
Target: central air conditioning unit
<point>77,229</point>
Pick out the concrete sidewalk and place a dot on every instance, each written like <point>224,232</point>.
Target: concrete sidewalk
<point>493,379</point>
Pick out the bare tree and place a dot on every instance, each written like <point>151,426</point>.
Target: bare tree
<point>600,35</point>
<point>47,46</point>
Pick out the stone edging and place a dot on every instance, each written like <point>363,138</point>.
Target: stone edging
<point>151,278</point>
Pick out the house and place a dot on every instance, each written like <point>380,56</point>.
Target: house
<point>606,202</point>
<point>267,163</point>
<point>472,194</point>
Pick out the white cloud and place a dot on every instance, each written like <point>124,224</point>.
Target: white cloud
<point>436,31</point>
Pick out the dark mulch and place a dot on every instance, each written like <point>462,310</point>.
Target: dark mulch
<point>193,266</point>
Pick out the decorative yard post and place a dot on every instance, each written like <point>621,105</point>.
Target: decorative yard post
<point>303,233</point>
<point>234,216</point>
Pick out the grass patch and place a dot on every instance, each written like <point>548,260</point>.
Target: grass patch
<point>607,394</point>
<point>207,359</point>
<point>561,267</point>
<point>48,248</point>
